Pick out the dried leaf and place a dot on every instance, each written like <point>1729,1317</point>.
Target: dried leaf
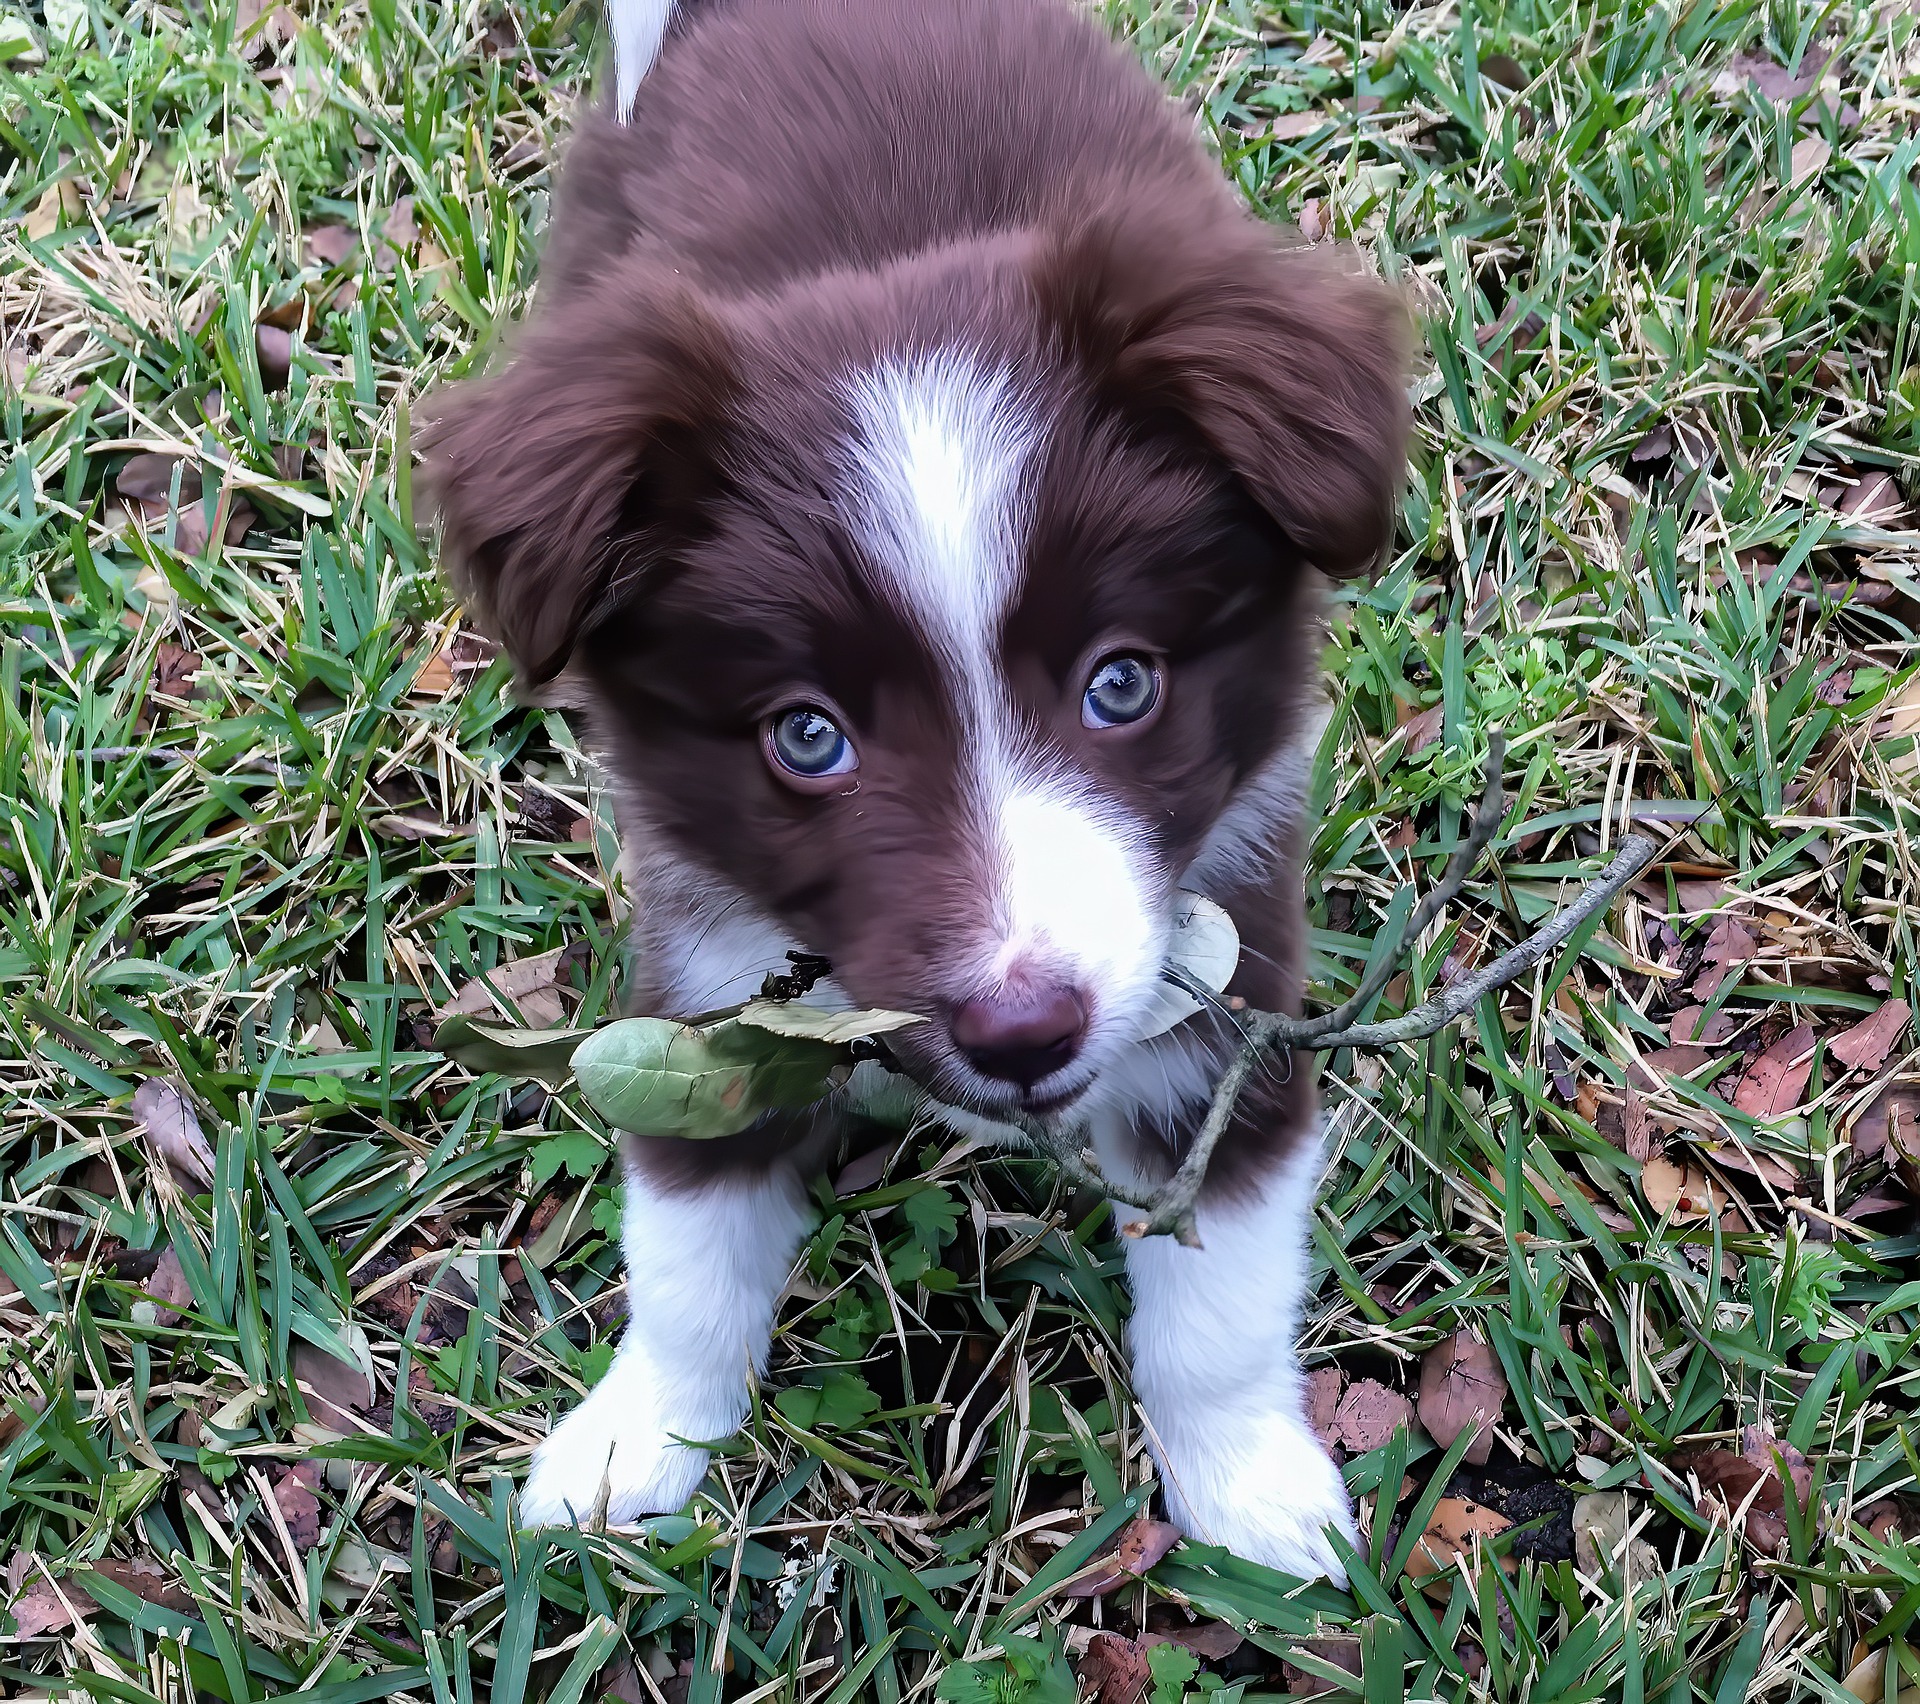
<point>1602,1521</point>
<point>335,1392</point>
<point>273,350</point>
<point>1341,1652</point>
<point>1657,445</point>
<point>1113,1671</point>
<point>1774,1082</point>
<point>61,205</point>
<point>173,1128</point>
<point>512,981</point>
<point>1461,1385</point>
<point>1680,1191</point>
<point>147,1581</point>
<point>330,245</point>
<point>1636,1127</point>
<point>1292,126</point>
<point>1651,1070</point>
<point>1141,1545</point>
<point>1697,1026</point>
<point>1450,1534</point>
<point>1369,1414</point>
<point>1145,1543</point>
<point>1810,155</point>
<point>1731,942</point>
<point>167,1286</point>
<point>1323,1402</point>
<point>1213,1640</point>
<point>297,1498</point>
<point>1773,79</point>
<point>1750,1481</point>
<point>1874,498</point>
<point>1866,1045</point>
<point>1421,730</point>
<point>149,477</point>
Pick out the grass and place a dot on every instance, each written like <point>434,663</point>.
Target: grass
<point>264,806</point>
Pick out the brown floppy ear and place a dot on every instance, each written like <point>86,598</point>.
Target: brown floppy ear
<point>1288,368</point>
<point>550,477</point>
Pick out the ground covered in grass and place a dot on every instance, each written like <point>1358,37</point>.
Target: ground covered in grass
<point>286,1298</point>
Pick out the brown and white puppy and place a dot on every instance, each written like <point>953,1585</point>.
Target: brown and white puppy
<point>928,466</point>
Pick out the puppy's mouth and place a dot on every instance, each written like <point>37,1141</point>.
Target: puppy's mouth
<point>952,1082</point>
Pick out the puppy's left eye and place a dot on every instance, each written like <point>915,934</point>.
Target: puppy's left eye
<point>808,745</point>
<point>1124,688</point>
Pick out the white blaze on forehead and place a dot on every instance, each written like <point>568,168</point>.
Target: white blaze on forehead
<point>941,461</point>
<point>941,473</point>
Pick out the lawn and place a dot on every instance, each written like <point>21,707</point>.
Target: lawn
<point>286,1297</point>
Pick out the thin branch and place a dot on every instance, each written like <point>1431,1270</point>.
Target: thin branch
<point>1485,825</point>
<point>1169,1210</point>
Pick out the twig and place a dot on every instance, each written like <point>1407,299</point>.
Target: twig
<point>1169,1210</point>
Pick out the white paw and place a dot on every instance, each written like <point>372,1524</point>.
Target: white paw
<point>615,1448</point>
<point>1259,1483</point>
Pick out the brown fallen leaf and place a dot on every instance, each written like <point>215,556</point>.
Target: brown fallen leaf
<point>1776,1174</point>
<point>259,26</point>
<point>335,1393</point>
<point>1291,126</point>
<point>273,350</point>
<point>1636,1126</point>
<point>1682,1191</point>
<point>1810,155</point>
<point>1323,1402</point>
<point>1751,1481</point>
<point>1339,1652</point>
<point>1421,730</point>
<point>149,478</point>
<point>1774,1083</point>
<point>1214,1641</point>
<point>865,1170</point>
<point>173,1129</point>
<point>1369,1414</point>
<point>167,1286</point>
<point>1874,498</point>
<point>330,245</point>
<point>61,205</point>
<point>1602,1521</point>
<point>45,1607</point>
<point>1696,1025</point>
<point>1866,1045</point>
<point>1730,942</point>
<point>518,980</point>
<point>145,486</point>
<point>1773,79</point>
<point>1141,1545</point>
<point>1450,1534</point>
<point>147,1581</point>
<point>435,679</point>
<point>298,1500</point>
<point>1461,1385</point>
<point>1657,445</point>
<point>1113,1670</point>
<point>1651,1070</point>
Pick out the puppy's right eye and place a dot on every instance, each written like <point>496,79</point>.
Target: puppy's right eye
<point>805,745</point>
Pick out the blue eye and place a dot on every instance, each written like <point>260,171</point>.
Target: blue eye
<point>1124,689</point>
<point>808,743</point>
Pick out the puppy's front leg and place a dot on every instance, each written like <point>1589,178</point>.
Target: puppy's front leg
<point>1214,1366</point>
<point>706,1260</point>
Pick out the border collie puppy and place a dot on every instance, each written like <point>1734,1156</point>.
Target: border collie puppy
<point>928,467</point>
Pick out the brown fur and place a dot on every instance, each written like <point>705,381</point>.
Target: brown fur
<point>645,490</point>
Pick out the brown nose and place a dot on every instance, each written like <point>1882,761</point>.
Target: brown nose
<point>1023,1032</point>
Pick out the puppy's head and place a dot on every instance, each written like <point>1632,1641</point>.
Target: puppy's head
<point>950,618</point>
